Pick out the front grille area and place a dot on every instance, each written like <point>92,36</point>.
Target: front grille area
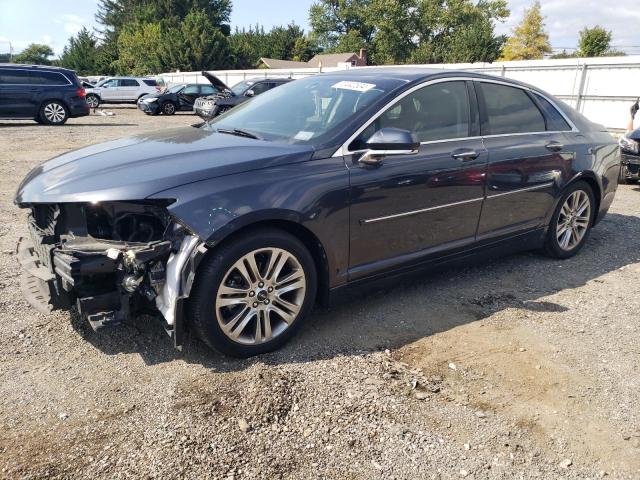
<point>42,230</point>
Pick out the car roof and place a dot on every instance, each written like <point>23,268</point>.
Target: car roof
<point>412,75</point>
<point>34,67</point>
<point>268,79</point>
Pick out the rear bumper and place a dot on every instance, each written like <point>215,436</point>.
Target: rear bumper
<point>79,108</point>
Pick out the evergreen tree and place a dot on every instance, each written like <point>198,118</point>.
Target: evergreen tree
<point>81,53</point>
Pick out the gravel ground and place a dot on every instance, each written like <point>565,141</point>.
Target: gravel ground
<point>522,367</point>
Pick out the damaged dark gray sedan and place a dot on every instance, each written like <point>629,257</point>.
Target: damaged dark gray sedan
<point>237,227</point>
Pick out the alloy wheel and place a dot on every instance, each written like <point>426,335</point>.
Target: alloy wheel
<point>54,112</point>
<point>260,296</point>
<point>573,221</point>
<point>169,108</point>
<point>92,100</point>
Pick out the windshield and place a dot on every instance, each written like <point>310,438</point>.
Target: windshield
<point>238,88</point>
<point>305,110</point>
<point>175,88</point>
<point>102,82</point>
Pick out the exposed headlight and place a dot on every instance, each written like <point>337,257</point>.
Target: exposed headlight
<point>629,145</point>
<point>150,100</point>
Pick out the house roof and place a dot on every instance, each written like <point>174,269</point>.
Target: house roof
<point>327,59</point>
<point>275,63</point>
<point>330,59</point>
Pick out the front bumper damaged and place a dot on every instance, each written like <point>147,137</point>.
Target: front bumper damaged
<point>110,281</point>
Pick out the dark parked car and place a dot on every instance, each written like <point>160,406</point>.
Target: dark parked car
<point>175,99</point>
<point>630,148</point>
<point>238,227</point>
<point>214,105</point>
<point>49,95</point>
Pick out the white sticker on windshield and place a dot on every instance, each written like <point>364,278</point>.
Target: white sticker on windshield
<point>302,135</point>
<point>357,86</point>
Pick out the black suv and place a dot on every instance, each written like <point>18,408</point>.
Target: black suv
<point>49,95</point>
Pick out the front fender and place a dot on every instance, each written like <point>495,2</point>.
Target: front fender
<point>313,194</point>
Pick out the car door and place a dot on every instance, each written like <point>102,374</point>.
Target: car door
<point>128,89</point>
<point>413,206</point>
<point>187,96</point>
<point>527,158</point>
<point>16,95</point>
<point>109,90</point>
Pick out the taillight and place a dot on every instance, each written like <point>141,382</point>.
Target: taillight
<point>81,92</point>
<point>158,88</point>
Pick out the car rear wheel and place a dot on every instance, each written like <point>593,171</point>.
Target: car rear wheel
<point>571,222</point>
<point>53,112</point>
<point>168,108</point>
<point>251,295</point>
<point>93,101</point>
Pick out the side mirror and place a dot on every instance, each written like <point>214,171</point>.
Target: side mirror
<point>389,141</point>
<point>249,93</point>
<point>106,85</point>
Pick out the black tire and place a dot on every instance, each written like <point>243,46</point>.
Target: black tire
<point>622,177</point>
<point>552,244</point>
<point>169,108</point>
<point>54,112</point>
<point>93,100</point>
<point>211,274</point>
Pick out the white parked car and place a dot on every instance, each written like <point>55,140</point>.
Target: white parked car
<point>121,90</point>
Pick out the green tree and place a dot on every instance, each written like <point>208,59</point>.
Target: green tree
<point>334,21</point>
<point>281,41</point>
<point>594,42</point>
<point>401,31</point>
<point>36,54</point>
<point>195,45</point>
<point>138,50</point>
<point>529,41</point>
<point>81,53</point>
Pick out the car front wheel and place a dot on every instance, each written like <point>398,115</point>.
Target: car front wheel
<point>53,112</point>
<point>169,108</point>
<point>571,222</point>
<point>252,294</point>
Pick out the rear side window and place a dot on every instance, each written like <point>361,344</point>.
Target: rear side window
<point>128,82</point>
<point>48,78</point>
<point>555,120</point>
<point>14,77</point>
<point>509,110</point>
<point>150,83</point>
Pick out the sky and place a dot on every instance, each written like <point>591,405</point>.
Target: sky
<point>53,21</point>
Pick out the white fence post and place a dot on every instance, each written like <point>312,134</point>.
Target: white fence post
<point>581,85</point>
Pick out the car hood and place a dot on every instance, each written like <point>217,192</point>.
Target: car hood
<point>136,167</point>
<point>215,81</point>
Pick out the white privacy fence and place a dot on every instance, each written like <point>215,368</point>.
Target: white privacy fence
<point>602,89</point>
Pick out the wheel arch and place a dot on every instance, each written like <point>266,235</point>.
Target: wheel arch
<point>294,228</point>
<point>592,180</point>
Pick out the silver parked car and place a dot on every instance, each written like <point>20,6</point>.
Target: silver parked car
<point>121,90</point>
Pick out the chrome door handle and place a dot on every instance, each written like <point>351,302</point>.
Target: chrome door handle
<point>464,154</point>
<point>554,146</point>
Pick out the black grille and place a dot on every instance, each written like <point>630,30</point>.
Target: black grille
<point>42,230</point>
<point>45,217</point>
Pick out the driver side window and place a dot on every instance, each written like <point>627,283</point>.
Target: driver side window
<point>436,112</point>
